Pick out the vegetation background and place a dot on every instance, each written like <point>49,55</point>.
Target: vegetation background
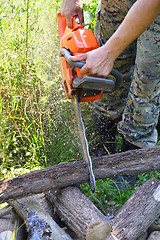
<point>37,127</point>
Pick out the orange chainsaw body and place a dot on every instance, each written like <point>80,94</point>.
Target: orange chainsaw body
<point>77,41</point>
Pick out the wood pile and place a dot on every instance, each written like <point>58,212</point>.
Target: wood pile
<point>47,204</point>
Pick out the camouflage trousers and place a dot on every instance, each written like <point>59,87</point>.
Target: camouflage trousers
<point>137,100</point>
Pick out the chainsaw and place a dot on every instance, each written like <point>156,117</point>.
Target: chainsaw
<point>77,87</point>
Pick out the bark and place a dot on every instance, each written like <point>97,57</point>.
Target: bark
<point>5,211</point>
<point>111,237</point>
<point>134,218</point>
<point>80,214</point>
<point>139,212</point>
<point>73,173</point>
<point>39,224</point>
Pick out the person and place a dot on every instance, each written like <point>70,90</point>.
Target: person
<point>131,31</point>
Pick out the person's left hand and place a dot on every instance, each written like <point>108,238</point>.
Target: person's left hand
<point>71,8</point>
<point>99,62</point>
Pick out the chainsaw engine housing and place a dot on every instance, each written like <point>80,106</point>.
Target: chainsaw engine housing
<point>76,41</point>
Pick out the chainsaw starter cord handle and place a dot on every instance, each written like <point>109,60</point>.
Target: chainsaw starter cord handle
<point>67,54</point>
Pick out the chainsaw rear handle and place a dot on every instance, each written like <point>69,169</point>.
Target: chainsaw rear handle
<point>67,54</point>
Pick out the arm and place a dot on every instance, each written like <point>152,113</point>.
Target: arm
<point>139,17</point>
<point>100,61</point>
<point>70,8</point>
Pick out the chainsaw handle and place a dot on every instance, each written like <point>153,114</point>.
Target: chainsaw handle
<point>67,54</point>
<point>118,76</point>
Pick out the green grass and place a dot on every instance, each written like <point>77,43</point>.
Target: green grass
<point>35,130</point>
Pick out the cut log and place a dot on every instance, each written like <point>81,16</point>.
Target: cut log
<point>12,222</point>
<point>134,218</point>
<point>111,237</point>
<point>139,212</point>
<point>5,211</point>
<point>73,173</point>
<point>80,214</point>
<point>39,223</point>
<point>7,223</point>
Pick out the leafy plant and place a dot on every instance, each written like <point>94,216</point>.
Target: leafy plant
<point>90,8</point>
<point>108,196</point>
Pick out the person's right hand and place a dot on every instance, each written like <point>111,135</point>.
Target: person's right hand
<point>70,8</point>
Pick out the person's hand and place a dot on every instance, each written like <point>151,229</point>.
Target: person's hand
<point>69,9</point>
<point>99,62</point>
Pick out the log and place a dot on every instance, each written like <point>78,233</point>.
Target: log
<point>6,235</point>
<point>80,214</point>
<point>10,222</point>
<point>7,223</point>
<point>5,211</point>
<point>39,224</point>
<point>73,173</point>
<point>139,212</point>
<point>134,218</point>
<point>111,237</point>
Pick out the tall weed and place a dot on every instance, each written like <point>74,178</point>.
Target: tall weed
<point>34,130</point>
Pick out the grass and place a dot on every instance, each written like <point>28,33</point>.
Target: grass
<point>35,131</point>
<point>37,122</point>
